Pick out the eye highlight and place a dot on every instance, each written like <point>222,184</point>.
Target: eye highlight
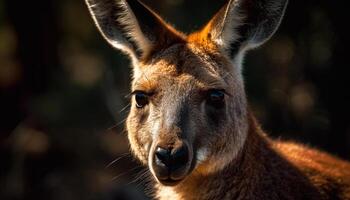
<point>216,98</point>
<point>141,99</point>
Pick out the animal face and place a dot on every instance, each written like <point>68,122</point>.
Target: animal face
<point>188,107</point>
<point>189,112</point>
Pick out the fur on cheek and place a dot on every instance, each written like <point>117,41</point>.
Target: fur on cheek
<point>139,150</point>
<point>138,140</point>
<point>218,153</point>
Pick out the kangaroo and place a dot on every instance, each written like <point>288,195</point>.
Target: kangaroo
<point>190,122</point>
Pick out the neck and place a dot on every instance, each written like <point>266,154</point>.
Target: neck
<point>233,177</point>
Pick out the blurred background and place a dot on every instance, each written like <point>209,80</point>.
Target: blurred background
<point>64,93</point>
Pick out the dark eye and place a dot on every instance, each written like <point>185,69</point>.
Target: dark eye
<point>216,98</point>
<point>141,99</point>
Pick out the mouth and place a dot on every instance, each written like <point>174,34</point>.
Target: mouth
<point>169,182</point>
<point>169,177</point>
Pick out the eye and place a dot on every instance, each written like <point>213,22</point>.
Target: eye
<point>216,98</point>
<point>141,99</point>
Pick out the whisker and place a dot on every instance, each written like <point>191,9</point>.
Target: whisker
<point>124,155</point>
<point>145,180</point>
<point>124,108</point>
<point>147,185</point>
<point>139,176</point>
<point>117,125</point>
<point>122,174</point>
<point>127,96</point>
<point>121,122</point>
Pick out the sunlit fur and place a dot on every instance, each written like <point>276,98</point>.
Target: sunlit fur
<point>230,155</point>
<point>177,74</point>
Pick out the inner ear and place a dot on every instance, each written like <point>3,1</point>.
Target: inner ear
<point>132,27</point>
<point>153,27</point>
<point>244,24</point>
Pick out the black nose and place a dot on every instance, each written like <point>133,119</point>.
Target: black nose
<point>170,163</point>
<point>172,158</point>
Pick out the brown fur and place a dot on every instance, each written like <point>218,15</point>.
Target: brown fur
<point>263,169</point>
<point>270,169</point>
<point>230,157</point>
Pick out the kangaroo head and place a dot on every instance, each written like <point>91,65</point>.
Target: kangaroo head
<point>189,110</point>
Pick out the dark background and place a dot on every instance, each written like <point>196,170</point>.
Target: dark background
<point>64,93</point>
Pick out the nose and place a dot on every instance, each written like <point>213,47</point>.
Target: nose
<point>171,163</point>
<point>172,158</point>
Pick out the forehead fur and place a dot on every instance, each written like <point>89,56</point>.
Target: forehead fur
<point>206,64</point>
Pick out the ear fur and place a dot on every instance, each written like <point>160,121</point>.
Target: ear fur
<point>241,25</point>
<point>132,27</point>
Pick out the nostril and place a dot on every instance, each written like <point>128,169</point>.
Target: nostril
<point>180,156</point>
<point>163,155</point>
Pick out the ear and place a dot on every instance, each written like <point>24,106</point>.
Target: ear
<point>244,24</point>
<point>132,27</point>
